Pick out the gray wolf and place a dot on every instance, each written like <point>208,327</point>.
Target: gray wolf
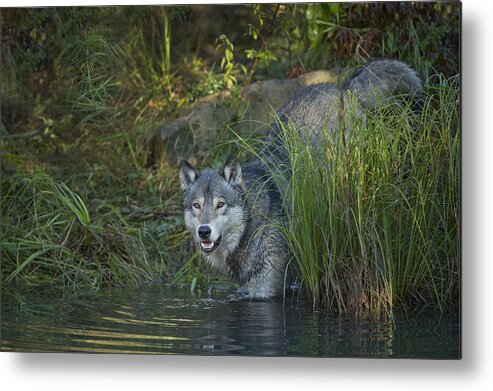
<point>235,213</point>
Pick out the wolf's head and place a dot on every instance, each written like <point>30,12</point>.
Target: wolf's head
<point>213,201</point>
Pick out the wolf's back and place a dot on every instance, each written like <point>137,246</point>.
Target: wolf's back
<point>312,109</point>
<point>319,106</point>
<point>380,79</point>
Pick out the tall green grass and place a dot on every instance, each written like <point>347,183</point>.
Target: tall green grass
<point>373,209</point>
<point>87,72</point>
<point>49,236</point>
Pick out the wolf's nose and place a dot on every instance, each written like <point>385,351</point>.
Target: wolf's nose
<point>204,231</point>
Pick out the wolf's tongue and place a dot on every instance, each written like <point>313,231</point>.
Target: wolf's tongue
<point>207,244</point>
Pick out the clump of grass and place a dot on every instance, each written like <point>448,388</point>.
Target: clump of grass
<point>49,236</point>
<point>89,65</point>
<point>372,210</point>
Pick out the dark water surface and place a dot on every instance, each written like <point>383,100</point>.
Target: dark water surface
<point>159,320</point>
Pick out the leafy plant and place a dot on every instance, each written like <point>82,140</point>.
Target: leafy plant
<point>228,65</point>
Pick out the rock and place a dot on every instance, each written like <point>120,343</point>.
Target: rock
<point>206,118</point>
<point>263,98</point>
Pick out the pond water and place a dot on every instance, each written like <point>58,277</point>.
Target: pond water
<point>159,320</point>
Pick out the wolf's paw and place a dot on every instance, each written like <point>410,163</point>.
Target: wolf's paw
<point>232,298</point>
<point>240,295</point>
<point>252,296</point>
<point>245,295</point>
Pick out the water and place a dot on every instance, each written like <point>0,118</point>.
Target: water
<point>160,320</point>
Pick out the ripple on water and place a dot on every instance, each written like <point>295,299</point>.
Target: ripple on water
<point>157,320</point>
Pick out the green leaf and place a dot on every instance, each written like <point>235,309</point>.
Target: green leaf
<point>229,55</point>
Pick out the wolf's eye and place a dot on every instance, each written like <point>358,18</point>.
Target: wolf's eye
<point>220,204</point>
<point>196,205</point>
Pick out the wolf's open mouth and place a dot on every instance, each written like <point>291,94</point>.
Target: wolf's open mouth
<point>207,246</point>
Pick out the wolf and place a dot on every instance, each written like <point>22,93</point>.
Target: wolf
<point>235,213</point>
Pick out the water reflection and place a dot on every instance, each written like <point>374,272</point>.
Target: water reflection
<point>164,321</point>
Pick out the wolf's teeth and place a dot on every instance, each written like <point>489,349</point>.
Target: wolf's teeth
<point>207,245</point>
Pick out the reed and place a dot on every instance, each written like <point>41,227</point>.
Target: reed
<point>373,209</point>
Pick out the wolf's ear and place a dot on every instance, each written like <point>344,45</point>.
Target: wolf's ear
<point>232,172</point>
<point>188,174</point>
